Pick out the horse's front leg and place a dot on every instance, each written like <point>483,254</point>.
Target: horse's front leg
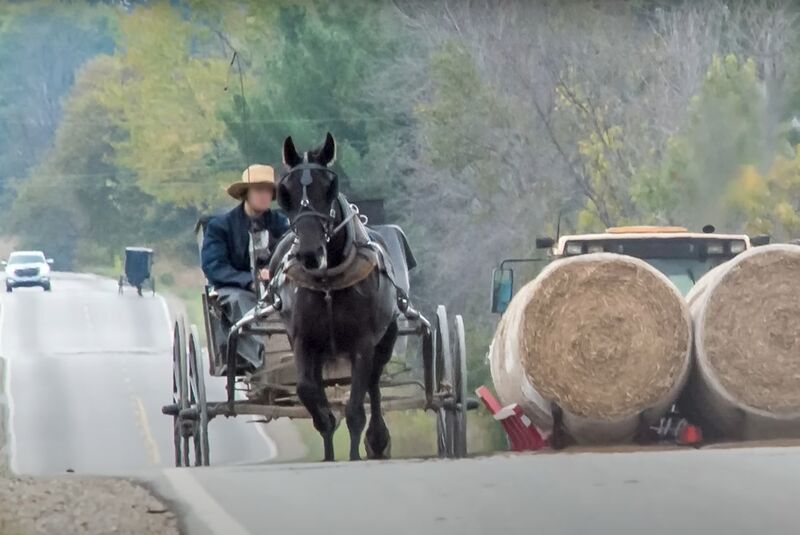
<point>361,371</point>
<point>378,441</point>
<point>311,392</point>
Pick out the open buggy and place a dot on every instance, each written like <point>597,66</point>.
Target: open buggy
<point>429,373</point>
<point>137,269</point>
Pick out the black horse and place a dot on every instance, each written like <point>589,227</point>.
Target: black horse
<point>334,303</point>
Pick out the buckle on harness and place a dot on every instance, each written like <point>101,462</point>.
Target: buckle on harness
<point>402,302</point>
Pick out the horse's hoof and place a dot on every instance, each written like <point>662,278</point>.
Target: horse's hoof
<point>385,454</point>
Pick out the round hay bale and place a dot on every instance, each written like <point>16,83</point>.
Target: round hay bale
<point>607,337</point>
<point>747,345</point>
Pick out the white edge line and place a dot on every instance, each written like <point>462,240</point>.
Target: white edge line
<point>207,510</point>
<point>273,448</point>
<point>167,317</point>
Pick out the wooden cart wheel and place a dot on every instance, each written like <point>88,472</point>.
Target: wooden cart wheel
<point>180,396</point>
<point>121,283</point>
<point>428,364</point>
<point>153,285</point>
<point>197,387</point>
<point>460,389</point>
<point>443,366</point>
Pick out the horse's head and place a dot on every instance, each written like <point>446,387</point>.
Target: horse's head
<point>307,191</point>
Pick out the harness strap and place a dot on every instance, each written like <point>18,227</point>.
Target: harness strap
<point>331,335</point>
<point>344,223</point>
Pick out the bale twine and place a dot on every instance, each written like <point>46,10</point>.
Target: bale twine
<point>747,345</point>
<point>607,337</point>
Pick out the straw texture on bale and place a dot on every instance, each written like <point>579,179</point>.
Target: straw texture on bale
<point>747,329</point>
<point>607,337</point>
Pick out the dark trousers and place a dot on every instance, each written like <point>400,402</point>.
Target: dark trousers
<point>235,303</point>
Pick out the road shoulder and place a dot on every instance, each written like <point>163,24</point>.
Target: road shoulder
<point>77,505</point>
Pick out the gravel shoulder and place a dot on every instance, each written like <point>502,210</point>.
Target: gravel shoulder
<point>76,505</point>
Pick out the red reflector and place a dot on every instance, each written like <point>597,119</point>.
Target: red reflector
<point>690,434</point>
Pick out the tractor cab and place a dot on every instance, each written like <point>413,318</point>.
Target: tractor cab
<point>681,255</point>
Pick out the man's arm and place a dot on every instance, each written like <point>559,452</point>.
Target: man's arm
<point>216,261</point>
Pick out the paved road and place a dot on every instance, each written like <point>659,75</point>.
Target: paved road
<point>88,373</point>
<point>737,491</point>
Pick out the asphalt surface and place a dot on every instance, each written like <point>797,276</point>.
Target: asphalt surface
<point>88,373</point>
<point>731,491</point>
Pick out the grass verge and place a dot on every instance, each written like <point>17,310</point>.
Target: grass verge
<point>413,435</point>
<point>193,301</point>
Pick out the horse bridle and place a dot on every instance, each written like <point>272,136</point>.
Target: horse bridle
<point>306,209</point>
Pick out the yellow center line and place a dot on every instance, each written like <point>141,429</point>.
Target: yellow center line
<point>150,442</point>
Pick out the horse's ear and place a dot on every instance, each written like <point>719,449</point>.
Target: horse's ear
<point>290,156</point>
<point>328,153</point>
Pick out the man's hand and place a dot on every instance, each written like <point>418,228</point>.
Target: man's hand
<point>262,275</point>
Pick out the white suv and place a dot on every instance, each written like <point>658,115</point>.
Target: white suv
<point>27,268</point>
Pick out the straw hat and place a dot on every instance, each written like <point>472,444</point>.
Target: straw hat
<point>255,174</point>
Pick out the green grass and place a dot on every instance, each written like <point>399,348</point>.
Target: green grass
<point>193,300</point>
<point>413,435</point>
<point>104,271</point>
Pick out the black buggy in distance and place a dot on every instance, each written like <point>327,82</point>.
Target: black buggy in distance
<point>432,377</point>
<point>137,269</point>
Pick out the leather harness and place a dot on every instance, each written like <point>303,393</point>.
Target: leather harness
<point>362,255</point>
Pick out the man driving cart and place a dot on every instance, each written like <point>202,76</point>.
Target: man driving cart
<point>226,251</point>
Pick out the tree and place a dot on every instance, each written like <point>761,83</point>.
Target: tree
<point>313,77</point>
<point>103,207</point>
<point>168,91</point>
<point>768,202</point>
<point>41,45</point>
<point>722,133</point>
